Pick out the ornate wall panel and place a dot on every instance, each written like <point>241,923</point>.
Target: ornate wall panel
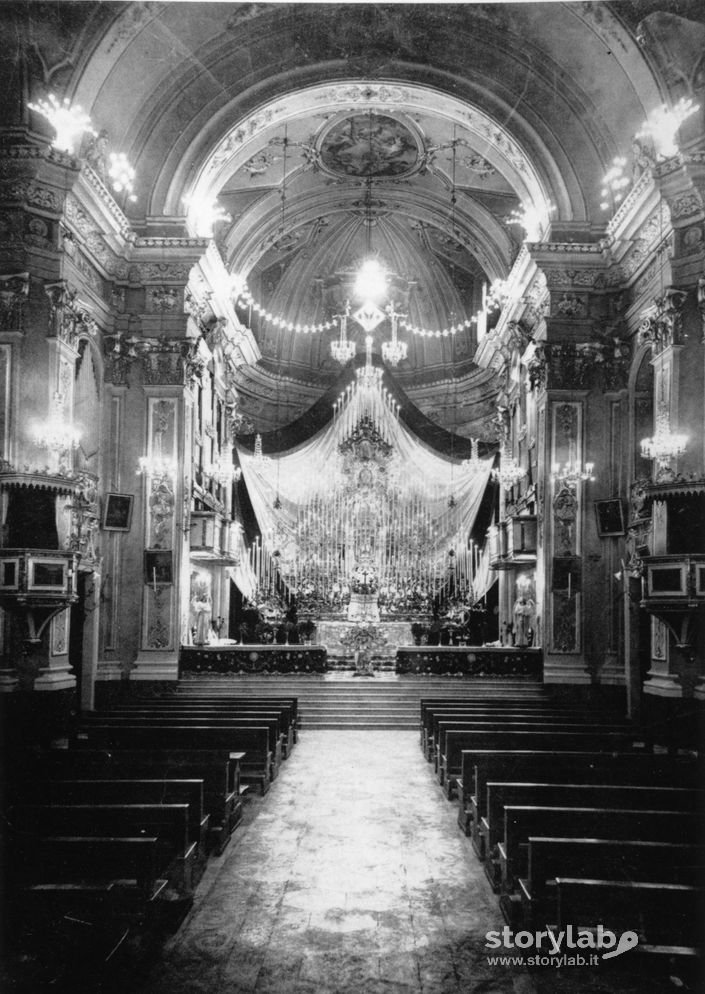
<point>565,539</point>
<point>160,525</point>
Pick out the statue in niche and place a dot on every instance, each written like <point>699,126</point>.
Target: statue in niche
<point>524,611</point>
<point>201,607</point>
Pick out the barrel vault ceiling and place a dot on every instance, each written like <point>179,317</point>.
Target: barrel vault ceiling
<point>328,132</point>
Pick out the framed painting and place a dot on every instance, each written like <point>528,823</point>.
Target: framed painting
<point>117,512</point>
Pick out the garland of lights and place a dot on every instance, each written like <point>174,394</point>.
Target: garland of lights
<point>245,299</point>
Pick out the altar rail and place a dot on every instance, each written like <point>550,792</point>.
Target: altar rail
<point>253,659</point>
<point>499,661</point>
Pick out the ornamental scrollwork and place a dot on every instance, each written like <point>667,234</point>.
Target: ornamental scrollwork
<point>69,321</point>
<point>14,290</point>
<point>664,327</point>
<point>601,364</point>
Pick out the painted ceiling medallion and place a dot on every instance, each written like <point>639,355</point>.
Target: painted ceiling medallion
<point>370,145</point>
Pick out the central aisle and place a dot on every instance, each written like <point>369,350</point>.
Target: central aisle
<point>352,876</point>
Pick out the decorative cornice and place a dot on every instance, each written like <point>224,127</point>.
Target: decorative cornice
<point>26,478</point>
<point>566,248</point>
<point>42,151</point>
<point>154,241</point>
<point>628,204</point>
<point>106,197</point>
<point>668,166</point>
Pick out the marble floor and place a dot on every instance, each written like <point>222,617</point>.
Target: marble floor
<point>350,876</point>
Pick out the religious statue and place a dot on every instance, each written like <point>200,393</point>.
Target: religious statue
<point>524,608</point>
<point>201,606</point>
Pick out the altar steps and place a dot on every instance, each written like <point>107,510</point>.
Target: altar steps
<point>341,700</point>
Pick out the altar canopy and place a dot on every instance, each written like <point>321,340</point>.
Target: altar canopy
<point>364,506</point>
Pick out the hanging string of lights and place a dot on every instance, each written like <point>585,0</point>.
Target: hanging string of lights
<point>245,300</point>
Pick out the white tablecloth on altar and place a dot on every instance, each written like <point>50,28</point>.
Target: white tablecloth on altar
<point>363,607</point>
<point>332,634</point>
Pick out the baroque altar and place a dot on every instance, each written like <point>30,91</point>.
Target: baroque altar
<point>338,637</point>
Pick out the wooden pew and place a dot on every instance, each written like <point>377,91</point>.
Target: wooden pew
<point>218,769</point>
<point>549,766</point>
<point>71,933</point>
<point>524,821</point>
<point>603,794</point>
<point>489,712</point>
<point>182,709</point>
<point>169,823</point>
<point>133,791</point>
<point>667,917</point>
<point>253,741</point>
<point>207,699</point>
<point>268,721</point>
<point>444,722</point>
<point>608,859</point>
<point>129,862</point>
<point>454,742</point>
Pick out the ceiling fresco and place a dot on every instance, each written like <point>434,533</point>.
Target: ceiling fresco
<point>370,145</point>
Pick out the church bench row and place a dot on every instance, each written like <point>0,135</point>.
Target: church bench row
<point>285,710</point>
<point>74,934</point>
<point>666,916</point>
<point>129,791</point>
<point>131,861</point>
<point>603,794</point>
<point>177,851</point>
<point>156,719</point>
<point>184,695</point>
<point>623,817</point>
<point>454,741</point>
<point>256,766</point>
<point>524,821</point>
<point>609,859</point>
<point>445,722</point>
<point>219,771</point>
<point>433,716</point>
<point>431,708</point>
<point>479,767</point>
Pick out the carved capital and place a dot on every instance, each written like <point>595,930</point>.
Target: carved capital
<point>163,361</point>
<point>69,320</point>
<point>663,327</point>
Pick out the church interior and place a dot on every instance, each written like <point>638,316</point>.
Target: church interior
<point>352,393</point>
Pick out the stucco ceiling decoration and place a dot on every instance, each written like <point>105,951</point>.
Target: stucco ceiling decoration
<point>484,136</point>
<point>371,145</point>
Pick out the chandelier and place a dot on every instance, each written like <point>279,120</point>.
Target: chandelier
<point>57,433</point>
<point>394,351</point>
<point>474,463</point>
<point>156,466</point>
<point>223,472</point>
<point>572,473</point>
<point>664,445</point>
<point>343,350</point>
<point>509,472</point>
<point>69,122</point>
<point>369,376</point>
<point>260,458</point>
